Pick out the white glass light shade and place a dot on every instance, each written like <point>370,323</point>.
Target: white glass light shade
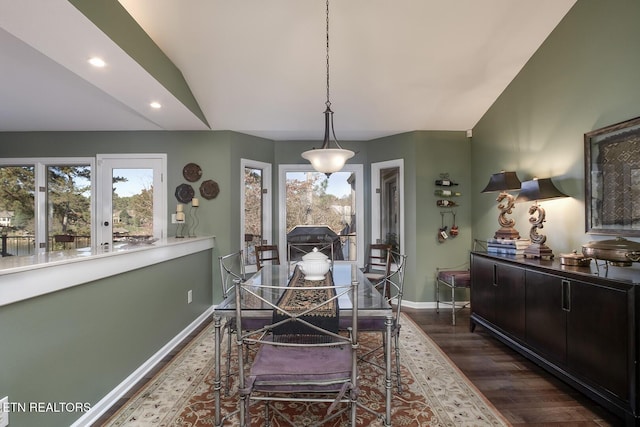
<point>328,160</point>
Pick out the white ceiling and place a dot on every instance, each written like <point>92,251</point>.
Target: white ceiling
<point>258,66</point>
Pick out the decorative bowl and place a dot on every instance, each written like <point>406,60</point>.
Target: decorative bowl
<point>619,251</point>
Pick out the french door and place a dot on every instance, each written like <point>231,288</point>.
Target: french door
<point>132,201</point>
<point>255,209</point>
<point>387,203</point>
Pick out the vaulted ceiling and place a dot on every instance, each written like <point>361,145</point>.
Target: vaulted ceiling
<point>259,66</point>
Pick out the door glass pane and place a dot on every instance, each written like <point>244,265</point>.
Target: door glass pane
<point>17,207</point>
<point>390,209</point>
<point>68,207</point>
<point>253,212</point>
<point>132,204</point>
<point>312,198</point>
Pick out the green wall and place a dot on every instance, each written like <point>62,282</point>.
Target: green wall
<point>584,77</point>
<point>426,155</point>
<point>78,344</point>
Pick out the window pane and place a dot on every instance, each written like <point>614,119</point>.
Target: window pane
<point>17,206</point>
<point>132,212</point>
<point>68,206</point>
<point>314,199</point>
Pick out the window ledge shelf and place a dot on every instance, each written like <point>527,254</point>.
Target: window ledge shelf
<point>26,277</point>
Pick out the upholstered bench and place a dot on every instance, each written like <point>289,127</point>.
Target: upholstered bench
<point>452,279</point>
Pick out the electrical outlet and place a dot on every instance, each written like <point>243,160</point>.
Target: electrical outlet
<point>4,411</point>
<point>173,219</point>
<point>189,301</point>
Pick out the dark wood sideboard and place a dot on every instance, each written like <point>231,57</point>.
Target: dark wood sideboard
<point>579,323</point>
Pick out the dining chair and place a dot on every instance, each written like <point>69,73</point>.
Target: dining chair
<point>377,262</point>
<point>392,289</point>
<point>301,356</point>
<point>232,271</point>
<point>267,254</point>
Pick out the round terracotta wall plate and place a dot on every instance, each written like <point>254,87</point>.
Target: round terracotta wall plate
<point>184,193</point>
<point>209,189</point>
<point>192,172</point>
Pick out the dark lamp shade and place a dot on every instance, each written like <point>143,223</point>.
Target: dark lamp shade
<point>539,189</point>
<point>503,181</point>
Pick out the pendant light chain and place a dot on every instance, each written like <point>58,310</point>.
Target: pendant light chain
<point>328,101</point>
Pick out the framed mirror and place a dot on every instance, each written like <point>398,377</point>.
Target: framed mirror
<point>612,179</point>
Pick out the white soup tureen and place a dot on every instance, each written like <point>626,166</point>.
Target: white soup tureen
<point>315,265</point>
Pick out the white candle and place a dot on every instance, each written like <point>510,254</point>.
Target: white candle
<point>179,208</point>
<point>195,202</point>
<point>180,216</point>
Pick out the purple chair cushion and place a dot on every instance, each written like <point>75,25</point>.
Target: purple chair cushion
<point>300,369</point>
<point>458,279</point>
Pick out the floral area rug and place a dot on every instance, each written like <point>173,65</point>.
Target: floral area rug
<point>435,392</point>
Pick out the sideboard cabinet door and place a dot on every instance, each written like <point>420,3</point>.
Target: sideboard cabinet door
<point>483,288</point>
<point>599,336</point>
<point>546,314</point>
<point>497,294</point>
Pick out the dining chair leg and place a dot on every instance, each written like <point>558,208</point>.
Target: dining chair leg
<point>227,386</point>
<point>397,353</point>
<point>387,382</point>
<point>267,415</point>
<point>453,305</point>
<point>217,386</point>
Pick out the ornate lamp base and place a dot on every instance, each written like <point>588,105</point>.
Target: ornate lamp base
<point>507,233</point>
<point>538,250</point>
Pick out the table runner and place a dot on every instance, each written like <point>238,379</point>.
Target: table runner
<point>296,301</point>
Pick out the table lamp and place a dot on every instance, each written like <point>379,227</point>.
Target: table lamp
<point>503,182</point>
<point>535,190</point>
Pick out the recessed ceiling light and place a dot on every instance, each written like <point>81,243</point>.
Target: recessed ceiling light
<point>155,105</point>
<point>97,62</point>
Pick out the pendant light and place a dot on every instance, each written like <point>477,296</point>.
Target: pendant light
<point>325,159</point>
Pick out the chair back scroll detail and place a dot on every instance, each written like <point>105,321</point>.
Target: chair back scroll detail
<point>231,268</point>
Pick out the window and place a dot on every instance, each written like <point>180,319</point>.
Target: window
<point>45,204</point>
<point>308,197</point>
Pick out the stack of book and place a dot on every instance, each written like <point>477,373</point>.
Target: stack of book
<point>507,246</point>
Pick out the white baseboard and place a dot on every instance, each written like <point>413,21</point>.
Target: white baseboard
<point>114,395</point>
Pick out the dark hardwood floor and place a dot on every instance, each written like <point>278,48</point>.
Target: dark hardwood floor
<point>522,391</point>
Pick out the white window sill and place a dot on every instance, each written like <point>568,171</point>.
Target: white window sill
<point>30,276</point>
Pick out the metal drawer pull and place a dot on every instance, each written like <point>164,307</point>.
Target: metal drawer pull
<point>566,295</point>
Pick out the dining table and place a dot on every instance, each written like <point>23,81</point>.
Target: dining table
<point>371,304</point>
